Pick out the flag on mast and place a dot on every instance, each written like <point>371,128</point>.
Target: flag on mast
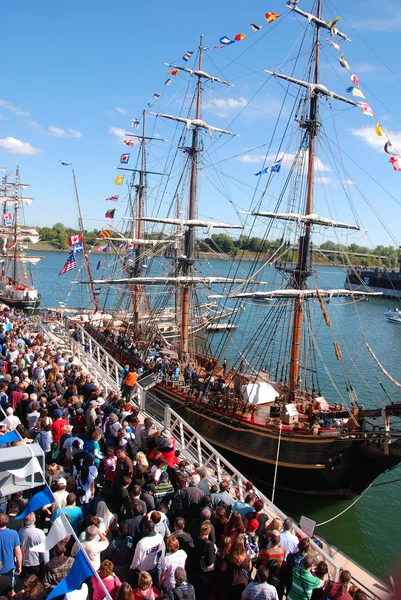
<point>70,264</point>
<point>113,198</point>
<point>110,213</point>
<point>124,159</point>
<point>75,239</point>
<point>128,143</point>
<point>256,27</point>
<point>119,180</point>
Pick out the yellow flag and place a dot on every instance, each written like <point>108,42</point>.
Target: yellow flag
<point>119,180</point>
<point>379,129</point>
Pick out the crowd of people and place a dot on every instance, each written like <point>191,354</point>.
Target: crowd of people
<point>152,524</point>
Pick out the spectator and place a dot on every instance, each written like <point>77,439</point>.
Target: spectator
<point>30,536</point>
<point>303,582</point>
<point>173,559</point>
<point>110,581</point>
<point>92,547</point>
<point>57,568</point>
<point>10,549</point>
<point>260,589</point>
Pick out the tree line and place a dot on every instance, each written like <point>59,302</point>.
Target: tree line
<point>221,243</point>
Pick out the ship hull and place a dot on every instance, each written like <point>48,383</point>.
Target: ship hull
<point>387,282</point>
<point>306,464</point>
<point>20,303</point>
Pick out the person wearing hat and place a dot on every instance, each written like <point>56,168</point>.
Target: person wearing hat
<point>90,415</point>
<point>58,425</point>
<point>251,540</point>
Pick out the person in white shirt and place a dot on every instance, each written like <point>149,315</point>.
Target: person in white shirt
<point>67,446</point>
<point>61,494</point>
<point>173,559</point>
<point>12,420</point>
<point>92,547</point>
<point>288,540</point>
<point>148,552</point>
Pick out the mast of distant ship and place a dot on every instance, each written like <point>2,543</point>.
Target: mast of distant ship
<point>16,222</point>
<point>189,241</point>
<point>302,271</point>
<point>139,209</point>
<point>84,247</point>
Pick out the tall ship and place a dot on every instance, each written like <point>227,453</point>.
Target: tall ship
<point>273,397</point>
<point>379,279</point>
<point>16,281</point>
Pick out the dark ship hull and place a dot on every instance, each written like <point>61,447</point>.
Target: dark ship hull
<point>312,464</point>
<point>388,282</point>
<point>22,304</point>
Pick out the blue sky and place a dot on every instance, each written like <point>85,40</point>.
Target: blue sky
<point>74,74</point>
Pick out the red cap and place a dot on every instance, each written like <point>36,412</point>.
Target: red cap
<point>253,525</point>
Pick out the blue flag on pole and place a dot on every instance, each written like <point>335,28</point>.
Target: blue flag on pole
<point>37,501</point>
<point>274,168</point>
<point>80,570</point>
<point>9,437</point>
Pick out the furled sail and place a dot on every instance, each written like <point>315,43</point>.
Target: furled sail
<point>195,123</point>
<point>311,218</point>
<point>201,74</point>
<point>319,22</point>
<point>169,280</point>
<point>191,223</point>
<point>302,294</point>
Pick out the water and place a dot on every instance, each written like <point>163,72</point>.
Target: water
<point>370,532</point>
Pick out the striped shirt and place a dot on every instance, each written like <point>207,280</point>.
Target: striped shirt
<point>272,554</point>
<point>303,584</point>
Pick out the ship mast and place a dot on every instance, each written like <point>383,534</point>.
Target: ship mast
<point>16,223</point>
<point>139,209</point>
<point>189,241</point>
<point>302,271</point>
<point>86,255</point>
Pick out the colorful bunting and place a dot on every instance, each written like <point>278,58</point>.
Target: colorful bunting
<point>128,143</point>
<point>357,92</point>
<point>219,47</point>
<point>99,265</point>
<point>366,109</point>
<point>70,264</point>
<point>379,129</point>
<point>173,72</point>
<point>292,3</point>
<point>75,239</point>
<point>105,234</point>
<point>63,163</point>
<point>97,291</point>
<point>271,16</point>
<point>124,159</point>
<point>274,168</point>
<point>256,27</point>
<point>107,247</point>
<point>343,62</point>
<point>239,37</point>
<point>80,570</point>
<point>394,161</point>
<point>226,41</point>
<point>333,25</point>
<point>334,44</point>
<point>187,56</point>
<point>119,180</point>
<point>37,501</point>
<point>110,213</point>
<point>168,82</point>
<point>135,123</point>
<point>156,96</point>
<point>389,149</point>
<point>113,198</point>
<point>355,80</point>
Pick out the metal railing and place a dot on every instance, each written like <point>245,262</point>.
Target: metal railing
<point>193,447</point>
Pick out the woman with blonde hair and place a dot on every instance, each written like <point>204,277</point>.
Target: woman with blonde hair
<point>142,460</point>
<point>145,588</point>
<point>109,579</point>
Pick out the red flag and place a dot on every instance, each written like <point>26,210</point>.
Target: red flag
<point>75,239</point>
<point>366,109</point>
<point>394,161</point>
<point>355,80</point>
<point>239,37</point>
<point>271,17</point>
<point>128,143</point>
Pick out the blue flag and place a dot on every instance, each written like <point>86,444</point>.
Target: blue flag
<point>275,168</point>
<point>37,501</point>
<point>80,570</point>
<point>78,248</point>
<point>11,436</point>
<point>99,264</point>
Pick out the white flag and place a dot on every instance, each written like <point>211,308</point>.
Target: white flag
<point>32,467</point>
<point>57,533</point>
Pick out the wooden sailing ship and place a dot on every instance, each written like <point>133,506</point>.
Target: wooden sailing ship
<point>16,286</point>
<point>271,422</point>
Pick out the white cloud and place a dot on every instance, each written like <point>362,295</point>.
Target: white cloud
<point>322,180</point>
<point>33,124</point>
<point>224,106</point>
<point>118,132</point>
<point>349,182</point>
<point>120,110</point>
<point>15,109</point>
<point>364,67</point>
<point>14,146</point>
<point>370,137</point>
<point>388,24</point>
<point>287,160</point>
<point>60,132</point>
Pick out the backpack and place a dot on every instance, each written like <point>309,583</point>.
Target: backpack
<point>89,446</point>
<point>185,591</point>
<point>132,448</point>
<point>251,546</point>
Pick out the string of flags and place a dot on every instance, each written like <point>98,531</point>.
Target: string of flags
<point>226,41</point>
<point>367,110</point>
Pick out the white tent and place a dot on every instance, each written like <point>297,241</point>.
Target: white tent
<point>18,457</point>
<point>259,393</point>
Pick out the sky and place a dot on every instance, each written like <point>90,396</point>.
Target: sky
<point>75,74</point>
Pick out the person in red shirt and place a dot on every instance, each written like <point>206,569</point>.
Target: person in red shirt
<point>340,590</point>
<point>58,425</point>
<point>274,552</point>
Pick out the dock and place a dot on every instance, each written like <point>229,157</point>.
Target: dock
<point>193,447</point>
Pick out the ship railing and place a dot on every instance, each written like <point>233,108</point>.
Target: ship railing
<point>194,448</point>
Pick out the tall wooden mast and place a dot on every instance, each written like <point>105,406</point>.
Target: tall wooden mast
<point>139,213</point>
<point>84,246</point>
<point>189,241</point>
<point>302,270</point>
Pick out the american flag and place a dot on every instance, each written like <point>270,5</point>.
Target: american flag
<point>69,265</point>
